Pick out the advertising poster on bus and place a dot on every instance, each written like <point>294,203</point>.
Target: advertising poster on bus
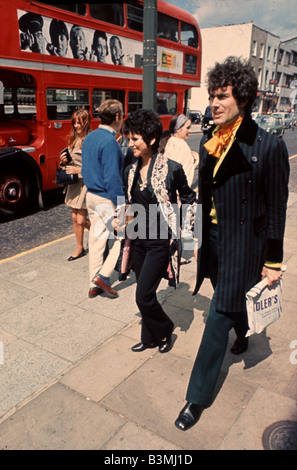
<point>49,36</point>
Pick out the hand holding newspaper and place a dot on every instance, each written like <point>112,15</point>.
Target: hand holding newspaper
<point>264,305</point>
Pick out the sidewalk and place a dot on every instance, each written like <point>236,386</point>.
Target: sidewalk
<point>196,128</point>
<point>69,379</point>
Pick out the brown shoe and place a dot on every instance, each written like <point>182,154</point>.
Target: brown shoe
<point>100,283</point>
<point>94,291</point>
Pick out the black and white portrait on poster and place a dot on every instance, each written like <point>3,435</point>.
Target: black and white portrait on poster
<point>58,38</point>
<point>55,37</point>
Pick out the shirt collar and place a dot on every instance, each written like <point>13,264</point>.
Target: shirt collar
<point>108,128</point>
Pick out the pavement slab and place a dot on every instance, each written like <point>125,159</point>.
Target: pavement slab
<point>69,380</point>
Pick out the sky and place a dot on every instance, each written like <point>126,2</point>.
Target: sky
<point>275,16</point>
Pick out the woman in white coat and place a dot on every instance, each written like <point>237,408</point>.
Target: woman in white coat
<point>176,148</point>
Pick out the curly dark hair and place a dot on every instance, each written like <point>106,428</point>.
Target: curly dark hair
<point>240,75</point>
<point>146,123</point>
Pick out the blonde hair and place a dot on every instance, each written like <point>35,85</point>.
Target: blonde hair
<point>83,117</point>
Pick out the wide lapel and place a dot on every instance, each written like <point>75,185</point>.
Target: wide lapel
<point>236,161</point>
<point>132,178</point>
<point>157,179</point>
<point>207,162</point>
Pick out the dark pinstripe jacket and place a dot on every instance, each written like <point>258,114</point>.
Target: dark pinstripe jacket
<point>250,192</point>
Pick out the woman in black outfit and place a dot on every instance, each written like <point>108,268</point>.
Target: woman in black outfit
<point>153,181</point>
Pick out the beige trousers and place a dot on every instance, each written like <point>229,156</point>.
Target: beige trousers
<point>100,210</point>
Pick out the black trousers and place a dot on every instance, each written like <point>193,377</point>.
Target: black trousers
<point>150,261</point>
<point>214,341</point>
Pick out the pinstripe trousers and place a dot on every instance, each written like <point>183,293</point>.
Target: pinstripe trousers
<point>215,338</point>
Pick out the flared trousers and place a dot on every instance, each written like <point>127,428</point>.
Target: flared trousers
<point>214,341</point>
<point>150,261</point>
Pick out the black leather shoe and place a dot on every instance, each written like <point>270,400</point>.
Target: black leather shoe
<point>165,345</point>
<point>139,347</point>
<point>82,253</point>
<point>189,416</point>
<point>240,346</point>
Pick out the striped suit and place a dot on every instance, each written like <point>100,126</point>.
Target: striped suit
<point>250,191</point>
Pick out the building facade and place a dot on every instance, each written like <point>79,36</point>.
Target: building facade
<point>277,80</point>
<point>286,84</point>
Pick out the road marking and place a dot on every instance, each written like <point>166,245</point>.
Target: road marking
<point>293,156</point>
<point>35,249</point>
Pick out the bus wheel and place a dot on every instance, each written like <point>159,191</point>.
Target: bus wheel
<point>14,193</point>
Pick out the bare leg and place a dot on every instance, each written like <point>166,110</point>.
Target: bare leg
<point>79,221</point>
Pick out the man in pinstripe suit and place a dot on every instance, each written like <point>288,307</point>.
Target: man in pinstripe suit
<point>243,189</point>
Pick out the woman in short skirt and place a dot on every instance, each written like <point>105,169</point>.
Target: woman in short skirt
<point>76,193</point>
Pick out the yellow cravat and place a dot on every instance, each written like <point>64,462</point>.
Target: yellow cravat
<point>221,138</point>
<point>230,131</point>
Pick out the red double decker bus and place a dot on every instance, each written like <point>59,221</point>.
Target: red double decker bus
<point>58,57</point>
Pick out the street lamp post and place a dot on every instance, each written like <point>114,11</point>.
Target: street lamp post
<point>149,86</point>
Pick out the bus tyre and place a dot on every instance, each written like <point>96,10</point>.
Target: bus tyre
<point>14,193</point>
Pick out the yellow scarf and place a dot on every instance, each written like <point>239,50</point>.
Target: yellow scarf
<point>221,139</point>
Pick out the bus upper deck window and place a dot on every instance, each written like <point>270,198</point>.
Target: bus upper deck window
<point>167,27</point>
<point>135,17</point>
<point>78,8</point>
<point>189,35</point>
<point>109,12</point>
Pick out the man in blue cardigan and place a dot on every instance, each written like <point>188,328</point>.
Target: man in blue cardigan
<point>102,168</point>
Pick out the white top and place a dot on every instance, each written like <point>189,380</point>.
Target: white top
<point>178,150</point>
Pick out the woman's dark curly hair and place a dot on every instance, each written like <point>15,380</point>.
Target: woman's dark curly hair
<point>240,75</point>
<point>146,123</point>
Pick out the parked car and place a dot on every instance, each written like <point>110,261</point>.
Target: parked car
<point>294,118</point>
<point>272,124</point>
<point>288,120</point>
<point>195,116</point>
<point>255,115</point>
<point>207,120</point>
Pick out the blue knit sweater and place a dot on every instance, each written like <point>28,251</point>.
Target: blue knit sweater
<point>102,165</point>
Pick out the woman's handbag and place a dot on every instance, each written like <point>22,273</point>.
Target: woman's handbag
<point>63,178</point>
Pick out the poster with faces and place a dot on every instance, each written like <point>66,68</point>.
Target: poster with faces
<point>50,36</point>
